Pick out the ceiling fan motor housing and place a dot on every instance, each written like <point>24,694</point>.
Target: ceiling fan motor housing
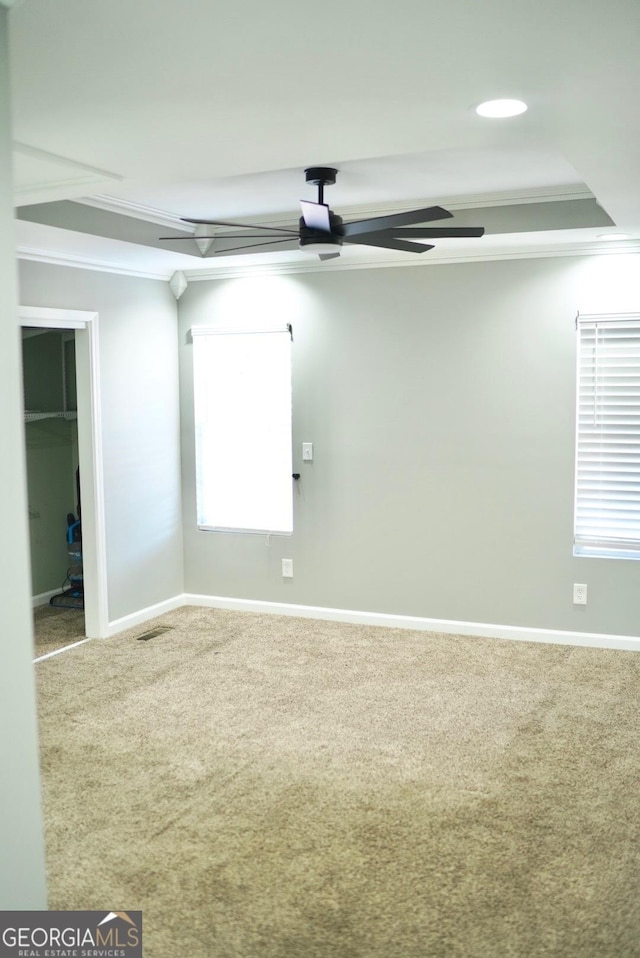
<point>313,237</point>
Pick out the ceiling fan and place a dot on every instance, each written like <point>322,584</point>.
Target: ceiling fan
<point>324,232</point>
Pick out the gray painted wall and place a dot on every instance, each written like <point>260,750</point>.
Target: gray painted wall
<point>441,405</point>
<point>140,424</point>
<point>22,869</point>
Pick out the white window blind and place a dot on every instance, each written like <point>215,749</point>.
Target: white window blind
<point>607,502</point>
<point>242,405</point>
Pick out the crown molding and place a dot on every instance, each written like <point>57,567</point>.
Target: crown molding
<point>80,262</point>
<point>113,204</point>
<point>443,259</point>
<point>542,194</point>
<point>58,176</point>
<point>474,201</point>
<point>439,258</point>
<point>238,272</point>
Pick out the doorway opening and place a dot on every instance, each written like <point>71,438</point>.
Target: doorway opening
<point>64,475</point>
<point>53,485</point>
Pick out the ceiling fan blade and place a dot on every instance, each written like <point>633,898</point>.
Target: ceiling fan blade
<point>324,256</point>
<point>438,232</point>
<point>251,226</point>
<point>227,236</point>
<point>316,216</point>
<point>258,247</point>
<point>379,223</point>
<point>387,241</point>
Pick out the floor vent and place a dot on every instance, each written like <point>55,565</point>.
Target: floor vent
<point>152,633</point>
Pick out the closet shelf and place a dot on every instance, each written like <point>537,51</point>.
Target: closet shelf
<point>35,416</point>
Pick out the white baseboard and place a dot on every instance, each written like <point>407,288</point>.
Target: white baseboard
<point>143,615</point>
<point>43,598</point>
<point>597,640</point>
<point>589,639</point>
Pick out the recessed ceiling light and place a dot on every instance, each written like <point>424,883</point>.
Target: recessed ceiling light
<point>501,108</point>
<point>614,236</point>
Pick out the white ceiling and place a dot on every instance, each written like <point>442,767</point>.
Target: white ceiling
<point>213,109</point>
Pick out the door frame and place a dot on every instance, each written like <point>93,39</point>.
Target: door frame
<point>94,560</point>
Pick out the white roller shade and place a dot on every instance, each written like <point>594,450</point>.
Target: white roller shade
<point>242,405</point>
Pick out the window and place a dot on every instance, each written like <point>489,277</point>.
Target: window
<point>242,404</point>
<point>607,506</point>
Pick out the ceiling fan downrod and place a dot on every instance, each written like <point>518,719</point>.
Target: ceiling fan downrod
<point>321,176</point>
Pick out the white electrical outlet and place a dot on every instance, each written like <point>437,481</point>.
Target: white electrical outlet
<point>287,568</point>
<point>579,593</point>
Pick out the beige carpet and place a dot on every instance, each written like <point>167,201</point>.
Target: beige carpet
<point>56,628</point>
<point>268,787</point>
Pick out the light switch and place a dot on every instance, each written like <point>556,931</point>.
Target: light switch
<point>307,452</point>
